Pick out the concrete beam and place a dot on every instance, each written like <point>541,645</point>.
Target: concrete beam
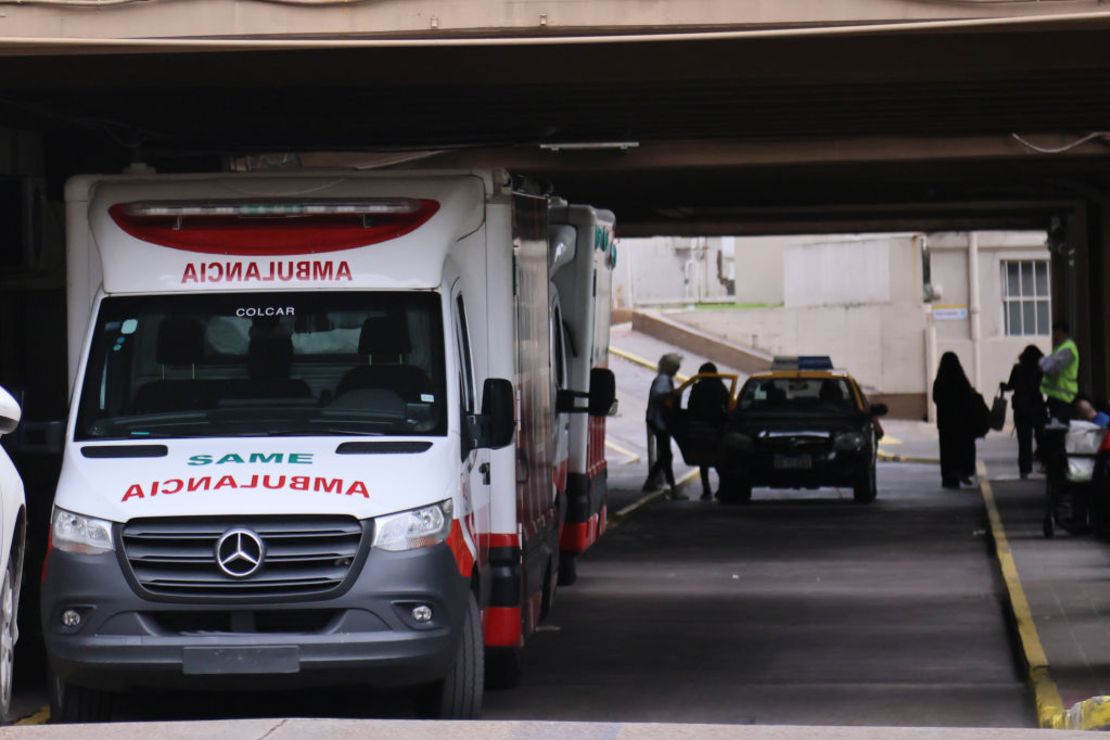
<point>203,20</point>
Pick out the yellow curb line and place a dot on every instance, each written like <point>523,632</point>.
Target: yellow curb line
<point>629,454</point>
<point>891,457</point>
<point>616,519</point>
<point>41,717</point>
<point>644,362</point>
<point>1090,714</point>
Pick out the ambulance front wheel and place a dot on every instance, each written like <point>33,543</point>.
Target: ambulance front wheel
<point>69,703</point>
<point>459,695</point>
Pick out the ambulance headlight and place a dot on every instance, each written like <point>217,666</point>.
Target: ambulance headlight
<point>79,534</point>
<point>423,527</point>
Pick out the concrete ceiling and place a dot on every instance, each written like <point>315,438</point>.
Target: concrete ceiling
<point>745,135</point>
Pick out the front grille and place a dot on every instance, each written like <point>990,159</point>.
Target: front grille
<point>304,556</point>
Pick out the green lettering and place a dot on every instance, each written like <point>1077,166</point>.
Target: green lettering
<point>258,457</point>
<point>230,458</point>
<point>301,458</point>
<point>200,460</point>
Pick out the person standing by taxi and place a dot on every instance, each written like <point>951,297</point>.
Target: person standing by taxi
<point>708,404</point>
<point>1060,383</point>
<point>956,401</point>
<point>661,387</point>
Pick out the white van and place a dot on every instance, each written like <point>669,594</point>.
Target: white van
<point>583,257</point>
<point>310,438</point>
<point>13,531</point>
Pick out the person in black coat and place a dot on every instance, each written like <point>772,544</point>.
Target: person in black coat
<point>1029,406</point>
<point>708,404</point>
<point>956,405</point>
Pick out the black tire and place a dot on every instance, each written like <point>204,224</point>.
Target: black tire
<point>865,489</point>
<point>69,703</point>
<point>9,629</point>
<point>1048,527</point>
<point>503,668</point>
<point>736,490</point>
<point>459,695</point>
<point>568,569</point>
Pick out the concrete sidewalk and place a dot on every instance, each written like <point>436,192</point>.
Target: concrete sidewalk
<point>1066,583</point>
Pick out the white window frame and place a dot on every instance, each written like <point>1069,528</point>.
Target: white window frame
<point>1021,298</point>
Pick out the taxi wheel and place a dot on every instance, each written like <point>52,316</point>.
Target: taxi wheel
<point>865,488</point>
<point>735,490</point>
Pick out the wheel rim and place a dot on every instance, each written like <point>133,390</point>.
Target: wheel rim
<point>8,637</point>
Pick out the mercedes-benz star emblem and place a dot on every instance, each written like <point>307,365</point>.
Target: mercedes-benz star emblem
<point>239,552</point>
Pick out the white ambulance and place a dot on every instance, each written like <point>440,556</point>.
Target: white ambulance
<point>583,257</point>
<point>311,435</point>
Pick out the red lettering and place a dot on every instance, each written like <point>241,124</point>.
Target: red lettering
<point>253,484</point>
<point>154,488</point>
<point>269,278</point>
<point>252,272</point>
<point>282,274</point>
<point>298,482</point>
<point>280,482</point>
<point>304,270</point>
<point>344,272</point>
<point>216,272</point>
<point>358,487</point>
<point>225,482</point>
<point>322,270</point>
<point>135,491</point>
<point>190,274</point>
<point>234,271</point>
<point>328,485</point>
<point>179,484</point>
<point>196,484</point>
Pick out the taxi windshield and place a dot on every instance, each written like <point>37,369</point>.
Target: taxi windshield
<point>254,364</point>
<point>798,395</point>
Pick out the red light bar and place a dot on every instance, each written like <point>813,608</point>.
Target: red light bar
<point>272,227</point>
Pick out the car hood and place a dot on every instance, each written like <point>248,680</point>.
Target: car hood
<point>250,476</point>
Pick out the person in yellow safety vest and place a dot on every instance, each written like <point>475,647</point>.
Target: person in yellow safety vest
<point>1060,383</point>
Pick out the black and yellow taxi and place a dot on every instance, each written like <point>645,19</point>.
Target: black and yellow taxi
<point>801,424</point>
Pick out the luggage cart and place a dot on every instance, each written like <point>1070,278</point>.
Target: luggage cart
<point>1072,456</point>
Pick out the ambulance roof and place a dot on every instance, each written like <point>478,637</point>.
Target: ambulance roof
<point>279,231</point>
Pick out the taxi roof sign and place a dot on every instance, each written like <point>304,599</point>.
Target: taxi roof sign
<point>802,362</point>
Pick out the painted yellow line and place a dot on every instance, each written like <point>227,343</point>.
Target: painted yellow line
<point>888,440</point>
<point>643,362</point>
<point>616,519</point>
<point>892,457</point>
<point>1089,714</point>
<point>630,455</point>
<point>41,717</point>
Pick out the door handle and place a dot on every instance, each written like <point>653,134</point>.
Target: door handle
<point>484,470</point>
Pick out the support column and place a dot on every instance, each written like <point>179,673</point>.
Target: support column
<point>1098,282</point>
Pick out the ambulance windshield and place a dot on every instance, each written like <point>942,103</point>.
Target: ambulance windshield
<point>261,364</point>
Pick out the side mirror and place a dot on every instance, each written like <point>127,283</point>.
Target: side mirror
<point>878,409</point>
<point>498,422</point>
<point>603,392</point>
<point>9,412</point>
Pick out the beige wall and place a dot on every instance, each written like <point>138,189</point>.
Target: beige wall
<point>862,294</point>
<point>759,268</point>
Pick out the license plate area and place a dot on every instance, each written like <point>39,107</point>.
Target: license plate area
<point>793,462</point>
<point>204,661</point>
